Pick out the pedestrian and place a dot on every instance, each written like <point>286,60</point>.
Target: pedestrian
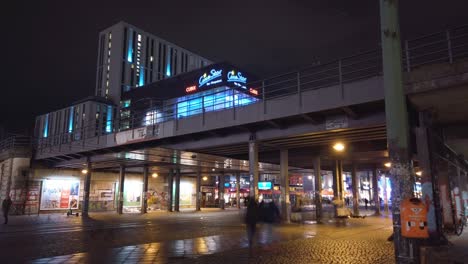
<point>347,201</point>
<point>366,202</point>
<point>6,208</point>
<point>251,218</point>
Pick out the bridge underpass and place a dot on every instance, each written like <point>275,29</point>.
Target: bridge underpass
<point>303,112</point>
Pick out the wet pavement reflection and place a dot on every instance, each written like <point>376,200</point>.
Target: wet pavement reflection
<point>171,251</point>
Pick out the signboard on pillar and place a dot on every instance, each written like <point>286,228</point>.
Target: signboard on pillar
<point>336,122</point>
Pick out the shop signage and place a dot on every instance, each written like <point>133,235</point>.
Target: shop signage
<point>253,91</point>
<point>237,79</point>
<point>264,185</point>
<point>215,76</point>
<point>131,135</point>
<point>207,189</point>
<point>60,194</point>
<point>190,89</point>
<point>233,77</point>
<point>336,122</point>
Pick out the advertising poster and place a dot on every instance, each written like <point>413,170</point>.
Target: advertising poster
<point>60,194</point>
<point>132,193</point>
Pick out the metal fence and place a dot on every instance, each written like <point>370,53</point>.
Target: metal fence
<point>441,47</point>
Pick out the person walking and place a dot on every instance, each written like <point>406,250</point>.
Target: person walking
<point>6,208</point>
<point>251,218</point>
<point>366,202</point>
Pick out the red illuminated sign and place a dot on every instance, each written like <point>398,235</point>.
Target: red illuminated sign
<point>253,91</point>
<point>191,89</point>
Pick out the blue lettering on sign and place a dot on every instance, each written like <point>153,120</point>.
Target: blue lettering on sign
<point>208,79</point>
<point>233,77</point>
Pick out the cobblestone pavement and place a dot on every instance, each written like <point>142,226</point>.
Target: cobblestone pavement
<point>211,236</point>
<point>357,241</point>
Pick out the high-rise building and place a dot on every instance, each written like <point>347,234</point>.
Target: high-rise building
<point>129,57</point>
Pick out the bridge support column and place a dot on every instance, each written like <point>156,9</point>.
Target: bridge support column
<point>177,191</point>
<point>337,183</point>
<point>144,205</point>
<point>170,189</point>
<point>198,189</point>
<point>284,175</point>
<point>121,189</point>
<point>87,187</point>
<point>238,190</point>
<point>429,179</point>
<point>253,169</point>
<point>355,190</point>
<point>222,203</point>
<point>375,190</point>
<point>318,189</point>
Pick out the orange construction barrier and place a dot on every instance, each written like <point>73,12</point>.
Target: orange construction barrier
<point>413,216</point>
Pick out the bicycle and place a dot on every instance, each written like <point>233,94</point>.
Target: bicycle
<point>461,223</point>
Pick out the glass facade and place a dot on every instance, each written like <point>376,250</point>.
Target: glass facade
<point>212,100</point>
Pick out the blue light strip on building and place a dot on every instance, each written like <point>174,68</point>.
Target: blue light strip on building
<point>109,119</point>
<point>142,77</point>
<point>130,47</point>
<point>213,100</point>
<point>46,126</point>
<point>70,120</point>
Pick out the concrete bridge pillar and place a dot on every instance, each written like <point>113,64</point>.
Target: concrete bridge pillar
<point>177,191</point>
<point>375,190</point>
<point>354,180</point>
<point>198,189</point>
<point>318,189</point>
<point>238,190</point>
<point>144,204</point>
<point>121,189</point>
<point>222,203</point>
<point>284,175</point>
<point>87,187</point>
<point>170,187</point>
<point>253,169</point>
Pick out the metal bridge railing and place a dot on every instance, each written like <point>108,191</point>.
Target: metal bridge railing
<point>441,47</point>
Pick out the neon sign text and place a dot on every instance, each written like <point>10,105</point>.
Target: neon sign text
<point>253,91</point>
<point>233,77</point>
<point>209,79</point>
<point>190,89</point>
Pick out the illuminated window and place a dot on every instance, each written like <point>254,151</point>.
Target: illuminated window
<point>109,119</point>
<point>152,117</point>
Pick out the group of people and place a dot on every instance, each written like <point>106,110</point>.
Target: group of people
<point>263,212</point>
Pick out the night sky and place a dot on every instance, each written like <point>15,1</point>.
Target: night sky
<point>51,47</point>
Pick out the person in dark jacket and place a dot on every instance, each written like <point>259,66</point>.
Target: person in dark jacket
<point>6,208</point>
<point>251,219</point>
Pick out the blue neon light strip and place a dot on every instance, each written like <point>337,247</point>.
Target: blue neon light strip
<point>130,47</point>
<point>142,77</point>
<point>70,120</point>
<point>109,119</point>
<point>46,126</point>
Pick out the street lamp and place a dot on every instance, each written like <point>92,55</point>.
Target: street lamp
<point>84,171</point>
<point>205,178</point>
<point>339,147</point>
<point>155,175</point>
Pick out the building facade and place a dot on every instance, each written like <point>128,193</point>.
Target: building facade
<point>129,57</point>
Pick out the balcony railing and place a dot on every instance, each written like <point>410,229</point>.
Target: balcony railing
<point>441,47</point>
